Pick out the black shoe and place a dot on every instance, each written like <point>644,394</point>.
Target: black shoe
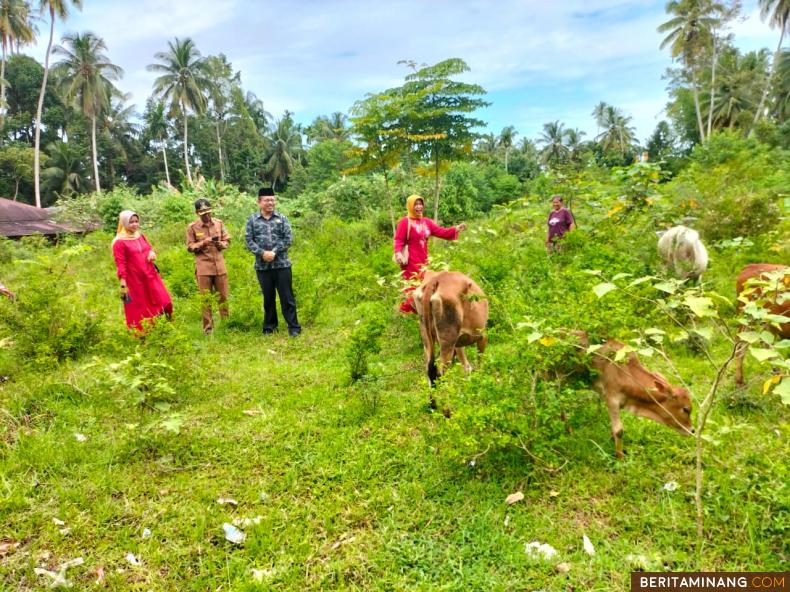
<point>294,333</point>
<point>268,331</point>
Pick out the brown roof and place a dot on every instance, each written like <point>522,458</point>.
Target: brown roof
<point>19,219</point>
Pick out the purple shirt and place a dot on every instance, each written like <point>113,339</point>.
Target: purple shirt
<point>559,222</point>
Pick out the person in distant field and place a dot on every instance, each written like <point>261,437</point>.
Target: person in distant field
<point>206,239</point>
<point>6,292</point>
<point>268,236</point>
<point>560,221</point>
<point>143,293</point>
<point>414,230</point>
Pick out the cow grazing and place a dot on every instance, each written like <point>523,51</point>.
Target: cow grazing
<point>757,270</point>
<point>629,385</point>
<point>453,313</point>
<point>681,248</point>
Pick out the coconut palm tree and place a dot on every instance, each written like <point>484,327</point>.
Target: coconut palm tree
<point>60,9</point>
<point>573,140</point>
<point>254,108</point>
<point>506,138</point>
<point>778,14</point>
<point>553,139</point>
<point>85,77</point>
<point>64,175</point>
<point>15,26</point>
<point>120,133</point>
<point>183,83</point>
<point>223,81</point>
<point>286,147</point>
<point>617,134</point>
<point>598,114</point>
<point>689,34</point>
<point>158,127</point>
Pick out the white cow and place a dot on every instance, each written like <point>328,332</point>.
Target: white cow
<point>682,249</point>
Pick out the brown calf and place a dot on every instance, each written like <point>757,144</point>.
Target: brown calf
<point>756,270</point>
<point>629,385</point>
<point>453,313</point>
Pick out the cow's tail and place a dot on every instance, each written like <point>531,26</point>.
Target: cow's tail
<point>430,329</point>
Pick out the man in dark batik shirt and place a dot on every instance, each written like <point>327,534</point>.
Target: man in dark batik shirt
<point>269,235</point>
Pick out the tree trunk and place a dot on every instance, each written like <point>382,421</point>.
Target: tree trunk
<point>2,88</point>
<point>16,189</point>
<point>186,138</point>
<point>389,201</point>
<point>39,109</point>
<point>695,90</point>
<point>507,151</point>
<point>758,113</point>
<point>219,152</point>
<point>436,185</point>
<point>712,88</point>
<point>96,182</point>
<point>164,156</point>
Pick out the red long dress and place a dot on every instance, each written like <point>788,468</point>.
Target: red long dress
<point>149,297</point>
<point>421,230</point>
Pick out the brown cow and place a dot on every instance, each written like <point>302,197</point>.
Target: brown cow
<point>453,313</point>
<point>629,385</point>
<point>758,270</point>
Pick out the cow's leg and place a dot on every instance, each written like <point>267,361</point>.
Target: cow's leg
<point>616,425</point>
<point>459,351</point>
<point>428,351</point>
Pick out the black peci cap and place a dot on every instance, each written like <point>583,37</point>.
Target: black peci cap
<point>265,192</point>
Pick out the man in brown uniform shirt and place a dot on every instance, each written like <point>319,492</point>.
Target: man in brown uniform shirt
<point>206,239</point>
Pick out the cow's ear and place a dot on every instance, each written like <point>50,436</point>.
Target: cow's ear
<point>661,387</point>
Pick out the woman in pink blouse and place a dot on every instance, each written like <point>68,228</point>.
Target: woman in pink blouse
<point>143,293</point>
<point>414,230</point>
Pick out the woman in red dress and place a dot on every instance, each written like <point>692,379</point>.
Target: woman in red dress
<point>414,230</point>
<point>142,291</point>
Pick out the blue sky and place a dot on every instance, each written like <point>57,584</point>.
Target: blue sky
<point>539,61</point>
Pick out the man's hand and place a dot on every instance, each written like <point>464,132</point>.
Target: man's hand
<point>268,256</point>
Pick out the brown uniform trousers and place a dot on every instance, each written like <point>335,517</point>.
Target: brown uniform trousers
<point>210,269</point>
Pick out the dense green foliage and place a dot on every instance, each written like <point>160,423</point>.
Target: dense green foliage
<point>328,438</point>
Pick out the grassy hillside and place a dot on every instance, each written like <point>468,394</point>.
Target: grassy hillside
<point>358,485</point>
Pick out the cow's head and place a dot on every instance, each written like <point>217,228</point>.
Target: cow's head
<point>671,407</point>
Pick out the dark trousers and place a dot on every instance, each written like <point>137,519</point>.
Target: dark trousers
<point>280,280</point>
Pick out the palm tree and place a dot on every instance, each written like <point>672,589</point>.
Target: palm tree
<point>738,88</point>
<point>334,127</point>
<point>506,138</point>
<point>260,117</point>
<point>158,127</point>
<point>573,140</point>
<point>689,33</point>
<point>286,146</point>
<point>15,26</point>
<point>598,114</point>
<point>85,76</point>
<point>223,81</point>
<point>616,134</point>
<point>486,146</point>
<point>118,130</point>
<point>553,139</point>
<point>65,170</point>
<point>59,8</point>
<point>183,81</point>
<point>778,14</point>
<point>782,107</point>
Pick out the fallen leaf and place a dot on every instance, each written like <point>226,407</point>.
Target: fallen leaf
<point>259,574</point>
<point>132,559</point>
<point>233,534</point>
<point>146,533</point>
<point>553,493</point>
<point>252,412</point>
<point>264,497</point>
<point>8,546</point>
<point>588,546</point>
<point>80,437</point>
<point>244,522</point>
<point>513,498</point>
<point>271,351</point>
<point>538,550</point>
<point>507,519</point>
<point>58,522</point>
<point>65,531</point>
<point>670,486</point>
<point>227,500</point>
<point>563,567</point>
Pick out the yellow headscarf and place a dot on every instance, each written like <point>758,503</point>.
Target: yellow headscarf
<point>410,201</point>
<point>123,232</point>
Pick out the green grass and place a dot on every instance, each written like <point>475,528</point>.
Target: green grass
<point>352,494</point>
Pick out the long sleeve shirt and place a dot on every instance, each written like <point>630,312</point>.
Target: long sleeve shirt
<point>274,234</point>
<point>208,253</point>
